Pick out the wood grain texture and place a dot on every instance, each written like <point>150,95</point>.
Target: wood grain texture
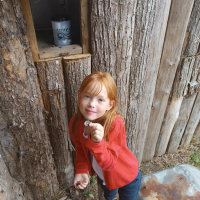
<point>183,77</point>
<point>112,33</point>
<point>26,9</point>
<point>155,51</point>
<point>144,22</point>
<point>192,124</point>
<point>193,31</point>
<point>56,51</point>
<point>169,121</point>
<point>76,68</point>
<point>175,34</point>
<point>10,188</point>
<point>22,106</point>
<point>85,26</point>
<point>197,134</point>
<point>180,125</point>
<point>52,85</point>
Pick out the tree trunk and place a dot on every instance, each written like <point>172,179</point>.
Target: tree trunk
<point>177,24</point>
<point>122,50</point>
<point>22,108</point>
<point>52,85</point>
<point>76,68</point>
<point>10,187</point>
<point>155,51</point>
<point>112,34</point>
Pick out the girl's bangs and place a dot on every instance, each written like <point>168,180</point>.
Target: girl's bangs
<point>93,87</point>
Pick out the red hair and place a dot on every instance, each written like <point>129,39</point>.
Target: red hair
<point>97,80</point>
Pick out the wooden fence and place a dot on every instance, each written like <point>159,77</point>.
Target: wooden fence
<point>150,47</point>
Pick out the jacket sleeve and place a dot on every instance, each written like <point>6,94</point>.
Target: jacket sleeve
<point>106,154</point>
<point>81,161</point>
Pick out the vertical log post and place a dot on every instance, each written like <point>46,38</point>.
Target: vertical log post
<point>22,106</point>
<point>175,34</point>
<point>197,134</point>
<point>112,34</point>
<point>155,52</point>
<point>76,68</point>
<point>180,88</point>
<point>180,125</point>
<point>52,85</point>
<point>186,75</point>
<point>192,123</point>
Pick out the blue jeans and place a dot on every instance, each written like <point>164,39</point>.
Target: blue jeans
<point>127,192</point>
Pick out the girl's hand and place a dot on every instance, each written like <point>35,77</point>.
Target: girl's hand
<point>96,132</point>
<point>81,181</point>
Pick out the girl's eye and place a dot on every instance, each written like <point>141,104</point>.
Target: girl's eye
<point>87,96</point>
<point>100,100</point>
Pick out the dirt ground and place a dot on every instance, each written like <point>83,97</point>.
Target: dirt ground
<point>155,164</point>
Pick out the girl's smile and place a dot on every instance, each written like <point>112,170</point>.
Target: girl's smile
<point>93,107</point>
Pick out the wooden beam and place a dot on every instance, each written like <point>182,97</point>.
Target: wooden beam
<point>85,25</point>
<point>59,51</point>
<point>168,125</point>
<point>179,128</point>
<point>192,123</point>
<point>174,38</point>
<point>26,9</point>
<point>51,79</point>
<point>155,52</point>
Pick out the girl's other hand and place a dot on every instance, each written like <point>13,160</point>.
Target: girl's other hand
<point>96,132</point>
<point>81,181</point>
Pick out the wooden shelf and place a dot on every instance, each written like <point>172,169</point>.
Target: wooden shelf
<point>42,45</point>
<point>47,48</point>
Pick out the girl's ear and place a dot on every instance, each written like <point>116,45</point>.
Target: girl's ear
<point>112,103</point>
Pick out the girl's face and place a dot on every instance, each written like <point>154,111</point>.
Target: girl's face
<point>93,107</point>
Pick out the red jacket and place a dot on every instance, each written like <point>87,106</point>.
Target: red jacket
<point>118,163</point>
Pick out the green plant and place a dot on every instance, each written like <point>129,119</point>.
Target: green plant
<point>88,194</point>
<point>195,158</point>
<point>93,179</point>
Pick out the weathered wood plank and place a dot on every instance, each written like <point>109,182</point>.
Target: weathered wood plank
<point>168,125</point>
<point>145,19</point>
<point>179,128</point>
<point>193,30</point>
<point>192,123</point>
<point>85,26</point>
<point>180,88</point>
<point>177,24</point>
<point>194,84</point>
<point>155,51</point>
<point>56,51</point>
<point>76,68</point>
<point>112,32</point>
<point>52,85</point>
<point>187,73</point>
<point>26,9</point>
<point>197,134</point>
<point>183,77</point>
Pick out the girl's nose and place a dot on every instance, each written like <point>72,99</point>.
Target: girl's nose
<point>92,103</point>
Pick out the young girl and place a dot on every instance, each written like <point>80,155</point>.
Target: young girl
<point>101,140</point>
